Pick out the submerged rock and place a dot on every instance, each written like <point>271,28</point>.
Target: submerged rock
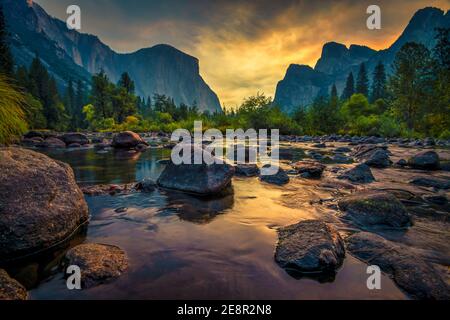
<point>431,182</point>
<point>361,173</point>
<point>427,160</point>
<point>375,208</point>
<point>411,273</point>
<point>313,169</point>
<point>280,178</point>
<point>202,179</point>
<point>99,263</point>
<point>127,140</point>
<point>108,189</point>
<point>41,203</point>
<point>310,246</point>
<point>11,289</point>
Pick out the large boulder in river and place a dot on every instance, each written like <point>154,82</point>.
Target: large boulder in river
<point>375,209</point>
<point>361,173</point>
<point>427,160</point>
<point>127,140</point>
<point>10,289</point>
<point>201,179</point>
<point>41,203</point>
<point>410,272</point>
<point>310,246</point>
<point>75,137</point>
<point>98,263</point>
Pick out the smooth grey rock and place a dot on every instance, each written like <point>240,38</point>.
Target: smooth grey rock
<point>427,160</point>
<point>310,246</point>
<point>200,179</point>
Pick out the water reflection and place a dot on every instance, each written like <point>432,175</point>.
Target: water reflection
<point>198,209</point>
<point>31,271</point>
<point>92,167</point>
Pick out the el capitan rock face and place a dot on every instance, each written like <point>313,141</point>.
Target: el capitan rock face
<point>302,84</point>
<point>72,55</point>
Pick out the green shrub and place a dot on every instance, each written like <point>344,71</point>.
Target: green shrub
<point>12,117</point>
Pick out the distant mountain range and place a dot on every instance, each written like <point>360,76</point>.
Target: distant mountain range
<point>302,84</point>
<point>70,55</point>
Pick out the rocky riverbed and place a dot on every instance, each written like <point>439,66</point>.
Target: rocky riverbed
<point>337,205</point>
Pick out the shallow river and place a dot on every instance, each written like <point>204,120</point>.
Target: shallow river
<point>182,247</point>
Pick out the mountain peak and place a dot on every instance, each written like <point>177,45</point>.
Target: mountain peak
<point>334,50</point>
<point>423,17</point>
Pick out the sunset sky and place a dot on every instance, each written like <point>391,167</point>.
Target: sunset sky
<point>244,47</point>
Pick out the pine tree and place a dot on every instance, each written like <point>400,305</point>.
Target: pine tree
<point>126,82</point>
<point>101,95</point>
<point>411,83</point>
<point>6,59</point>
<point>378,83</point>
<point>349,89</point>
<point>362,83</point>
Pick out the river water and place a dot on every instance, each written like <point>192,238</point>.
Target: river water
<point>183,247</point>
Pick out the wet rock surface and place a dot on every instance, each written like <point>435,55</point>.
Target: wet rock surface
<point>375,208</point>
<point>201,179</point>
<point>74,138</point>
<point>11,289</point>
<point>427,160</point>
<point>310,246</point>
<point>313,169</point>
<point>99,263</point>
<point>280,178</point>
<point>433,182</point>
<point>127,140</point>
<point>372,155</point>
<point>411,273</point>
<point>41,203</point>
<point>361,173</point>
